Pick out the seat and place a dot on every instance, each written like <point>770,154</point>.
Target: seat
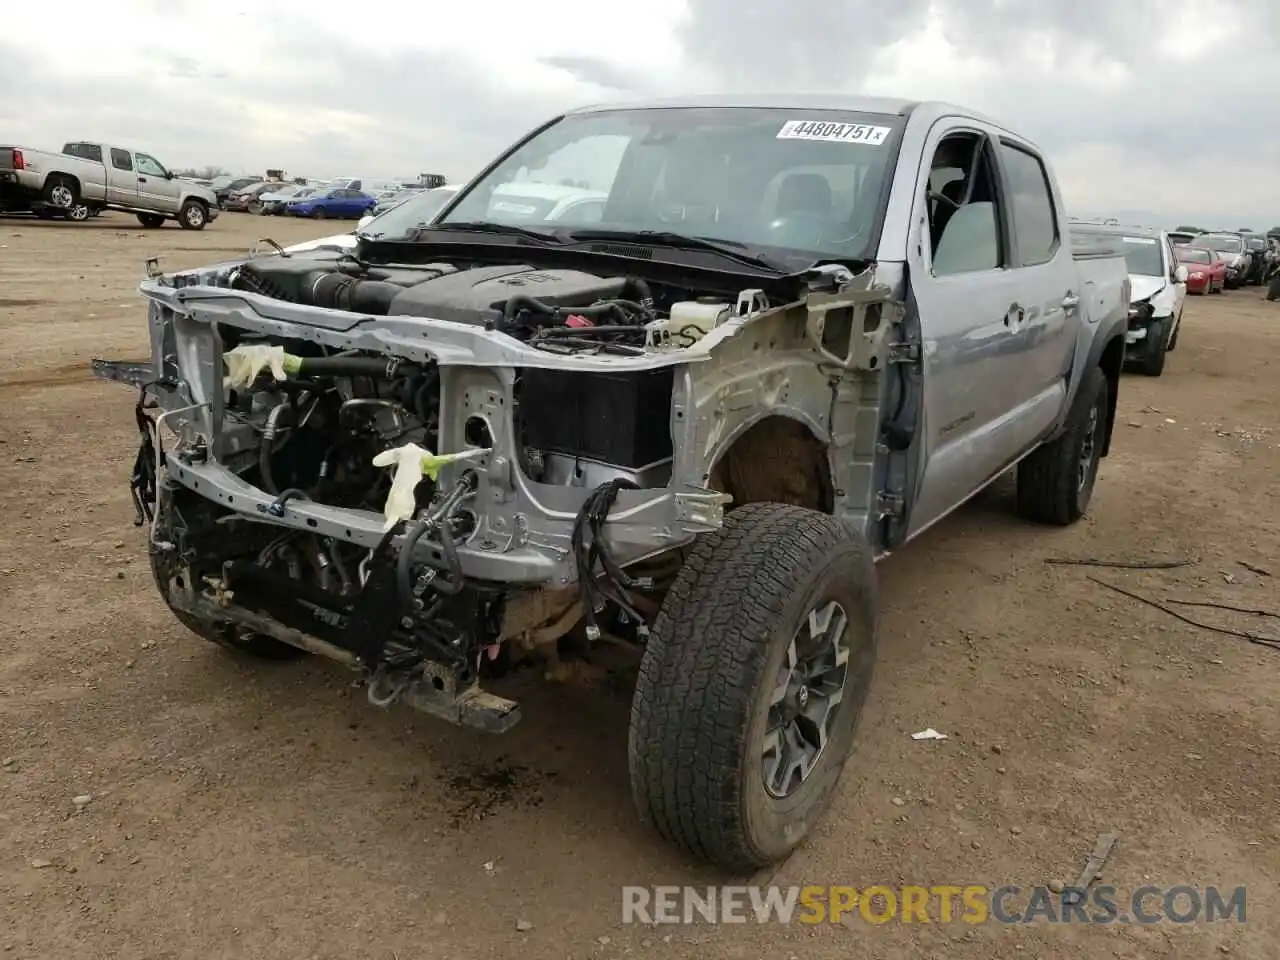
<point>970,241</point>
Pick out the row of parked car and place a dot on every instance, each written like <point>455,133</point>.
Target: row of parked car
<point>346,198</point>
<point>1234,259</point>
<point>1165,266</point>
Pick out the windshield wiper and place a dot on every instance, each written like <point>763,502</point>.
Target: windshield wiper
<point>730,249</point>
<point>481,226</point>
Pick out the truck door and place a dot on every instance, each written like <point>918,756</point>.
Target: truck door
<point>122,179</point>
<point>967,294</point>
<point>1049,299</point>
<point>156,189</point>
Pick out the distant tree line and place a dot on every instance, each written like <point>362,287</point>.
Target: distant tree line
<point>202,173</point>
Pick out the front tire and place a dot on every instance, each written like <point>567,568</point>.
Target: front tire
<point>729,759</point>
<point>1056,481</point>
<point>224,634</point>
<point>193,215</point>
<point>1152,364</point>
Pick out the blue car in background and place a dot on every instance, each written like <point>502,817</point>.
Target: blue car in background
<point>338,202</point>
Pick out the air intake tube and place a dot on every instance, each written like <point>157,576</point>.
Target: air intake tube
<point>324,288</point>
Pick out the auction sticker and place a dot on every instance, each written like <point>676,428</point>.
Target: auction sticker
<point>833,132</point>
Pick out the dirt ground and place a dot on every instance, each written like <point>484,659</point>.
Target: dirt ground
<point>246,810</point>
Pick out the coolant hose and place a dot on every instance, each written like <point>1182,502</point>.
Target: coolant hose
<point>267,448</point>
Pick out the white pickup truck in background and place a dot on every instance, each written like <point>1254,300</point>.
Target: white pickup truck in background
<point>100,176</point>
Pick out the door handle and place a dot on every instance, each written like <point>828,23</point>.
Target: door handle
<point>142,179</point>
<point>1014,314</point>
<point>1070,302</point>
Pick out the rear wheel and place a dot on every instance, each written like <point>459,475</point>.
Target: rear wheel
<point>752,683</point>
<point>79,212</point>
<point>61,192</point>
<point>1055,483</point>
<point>318,213</point>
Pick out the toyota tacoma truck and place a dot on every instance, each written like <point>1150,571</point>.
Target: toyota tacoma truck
<point>798,333</point>
<point>93,177</point>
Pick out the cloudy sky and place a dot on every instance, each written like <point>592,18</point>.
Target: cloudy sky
<point>1143,105</point>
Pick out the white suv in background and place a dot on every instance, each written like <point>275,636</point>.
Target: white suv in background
<point>1157,290</point>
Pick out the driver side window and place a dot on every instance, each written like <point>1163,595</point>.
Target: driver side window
<point>148,165</point>
<point>964,207</point>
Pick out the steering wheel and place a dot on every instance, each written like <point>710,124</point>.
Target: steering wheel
<point>675,212</point>
<point>803,230</point>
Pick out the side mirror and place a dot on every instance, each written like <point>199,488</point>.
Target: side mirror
<point>168,174</point>
<point>1180,274</point>
<point>364,222</point>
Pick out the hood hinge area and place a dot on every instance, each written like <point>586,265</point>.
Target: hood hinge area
<point>890,505</point>
<point>904,351</point>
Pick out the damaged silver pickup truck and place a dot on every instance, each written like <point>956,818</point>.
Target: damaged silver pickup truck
<point>771,342</point>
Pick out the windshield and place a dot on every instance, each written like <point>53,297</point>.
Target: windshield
<point>417,211</point>
<point>807,182</point>
<point>1255,244</point>
<point>1143,256</point>
<point>1222,244</point>
<point>1188,255</point>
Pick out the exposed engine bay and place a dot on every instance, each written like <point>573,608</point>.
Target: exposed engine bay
<point>416,468</point>
<point>552,309</point>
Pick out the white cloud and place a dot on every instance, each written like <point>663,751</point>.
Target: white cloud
<point>1148,104</point>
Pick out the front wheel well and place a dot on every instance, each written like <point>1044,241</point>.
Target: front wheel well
<point>777,460</point>
<point>1111,363</point>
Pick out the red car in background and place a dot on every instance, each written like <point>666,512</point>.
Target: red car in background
<point>1206,271</point>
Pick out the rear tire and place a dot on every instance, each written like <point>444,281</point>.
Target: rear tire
<point>79,213</point>
<point>318,213</point>
<point>61,192</point>
<point>780,600</point>
<point>1055,483</point>
<point>1273,288</point>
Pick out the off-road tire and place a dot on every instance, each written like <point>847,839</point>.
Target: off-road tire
<point>61,192</point>
<point>152,221</point>
<point>700,709</point>
<point>1048,487</point>
<point>193,215</point>
<point>223,634</point>
<point>1152,363</point>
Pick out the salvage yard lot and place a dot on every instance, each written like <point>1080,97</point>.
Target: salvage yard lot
<point>246,810</point>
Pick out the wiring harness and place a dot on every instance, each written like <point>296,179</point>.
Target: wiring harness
<point>613,581</point>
